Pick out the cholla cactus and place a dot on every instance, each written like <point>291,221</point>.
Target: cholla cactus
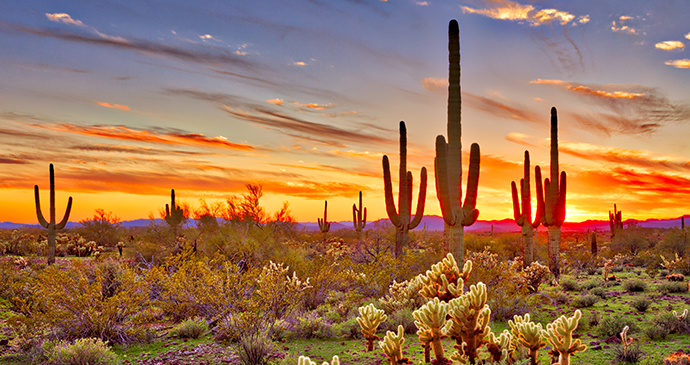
<point>560,335</point>
<point>303,360</point>
<point>470,319</point>
<point>392,347</point>
<point>369,321</point>
<point>120,245</point>
<point>501,348</point>
<point>682,316</point>
<point>444,280</point>
<point>527,334</point>
<point>534,275</point>
<point>626,341</point>
<point>402,295</point>
<point>431,321</point>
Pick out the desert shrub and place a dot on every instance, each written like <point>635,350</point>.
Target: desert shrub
<point>348,329</point>
<point>190,328</point>
<point>612,325</point>
<point>279,292</point>
<point>585,300</point>
<point>533,275</point>
<point>256,349</point>
<point>80,300</point>
<point>675,241</point>
<point>635,285</point>
<point>569,285</point>
<point>655,331</point>
<point>311,325</point>
<point>599,291</point>
<point>591,284</point>
<point>672,287</point>
<point>91,351</point>
<point>677,264</point>
<point>631,355</point>
<point>400,317</point>
<point>104,228</point>
<point>663,273</point>
<point>641,304</point>
<point>632,239</point>
<point>672,322</point>
<point>560,298</point>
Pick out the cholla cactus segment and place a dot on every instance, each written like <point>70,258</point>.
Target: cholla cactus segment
<point>369,321</point>
<point>303,360</point>
<point>500,348</point>
<point>433,326</point>
<point>527,334</point>
<point>681,316</point>
<point>392,346</point>
<point>470,319</point>
<point>445,280</point>
<point>402,295</point>
<point>560,335</point>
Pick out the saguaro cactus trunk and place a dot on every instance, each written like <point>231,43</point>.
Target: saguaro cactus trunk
<point>174,215</point>
<point>401,217</point>
<point>615,220</point>
<point>523,217</point>
<point>51,226</point>
<point>554,200</point>
<point>324,225</point>
<point>359,218</point>
<point>448,161</point>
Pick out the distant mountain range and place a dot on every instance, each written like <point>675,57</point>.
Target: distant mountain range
<point>433,223</point>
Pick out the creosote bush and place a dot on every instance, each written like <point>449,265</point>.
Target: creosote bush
<point>641,304</point>
<point>569,285</point>
<point>584,300</point>
<point>635,285</point>
<point>91,351</point>
<point>190,328</point>
<point>672,287</point>
<point>612,325</point>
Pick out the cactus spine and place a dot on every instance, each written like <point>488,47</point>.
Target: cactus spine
<point>173,213</point>
<point>523,217</point>
<point>52,226</point>
<point>615,220</point>
<point>448,161</point>
<point>554,200</point>
<point>369,321</point>
<point>324,225</point>
<point>401,217</point>
<point>359,218</point>
<point>560,335</point>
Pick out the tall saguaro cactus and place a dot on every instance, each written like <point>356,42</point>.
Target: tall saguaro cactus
<point>448,161</point>
<point>173,213</point>
<point>554,200</point>
<point>615,220</point>
<point>324,225</point>
<point>359,218</point>
<point>401,217</point>
<point>51,226</point>
<point>523,217</point>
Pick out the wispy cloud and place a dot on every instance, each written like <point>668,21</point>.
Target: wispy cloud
<point>278,102</point>
<point>130,134</point>
<point>621,156</point>
<point>631,109</point>
<point>502,110</point>
<point>64,18</point>
<point>624,25</point>
<point>112,106</point>
<point>435,84</point>
<point>519,138</point>
<point>670,45</point>
<point>512,10</point>
<point>684,63</point>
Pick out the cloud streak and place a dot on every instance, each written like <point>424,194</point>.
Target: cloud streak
<point>634,158</point>
<point>502,110</point>
<point>514,11</point>
<point>112,106</point>
<point>670,45</point>
<point>684,63</point>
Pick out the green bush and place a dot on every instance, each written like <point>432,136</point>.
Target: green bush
<point>672,323</point>
<point>591,284</point>
<point>635,285</point>
<point>641,304</point>
<point>400,317</point>
<point>570,285</point>
<point>255,350</point>
<point>348,329</point>
<point>583,301</point>
<point>560,298</point>
<point>672,287</point>
<point>613,325</point>
<point>311,325</point>
<point>655,331</point>
<point>599,291</point>
<point>85,351</point>
<point>190,328</point>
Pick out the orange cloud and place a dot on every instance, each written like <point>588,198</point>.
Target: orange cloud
<point>435,84</point>
<point>670,45</point>
<point>684,63</point>
<point>511,10</point>
<point>299,63</point>
<point>126,133</point>
<point>112,106</point>
<point>586,89</point>
<point>636,158</point>
<point>314,106</point>
<point>502,110</point>
<point>687,36</point>
<point>64,18</point>
<point>519,138</point>
<point>276,101</point>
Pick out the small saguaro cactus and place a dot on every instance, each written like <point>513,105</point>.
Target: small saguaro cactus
<point>392,347</point>
<point>401,217</point>
<point>560,335</point>
<point>369,321</point>
<point>615,220</point>
<point>324,225</point>
<point>432,326</point>
<point>554,200</point>
<point>523,217</point>
<point>594,243</point>
<point>51,225</point>
<point>174,215</point>
<point>527,334</point>
<point>448,161</point>
<point>359,218</point>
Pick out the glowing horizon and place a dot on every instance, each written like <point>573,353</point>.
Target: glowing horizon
<point>305,99</point>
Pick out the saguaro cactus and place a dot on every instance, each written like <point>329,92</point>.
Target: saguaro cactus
<point>448,161</point>
<point>401,217</point>
<point>594,243</point>
<point>615,220</point>
<point>359,218</point>
<point>173,213</point>
<point>554,200</point>
<point>324,225</point>
<point>51,226</point>
<point>523,217</point>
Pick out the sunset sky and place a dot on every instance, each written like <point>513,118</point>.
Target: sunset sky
<point>129,99</point>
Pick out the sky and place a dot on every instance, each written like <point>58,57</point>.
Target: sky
<point>129,99</point>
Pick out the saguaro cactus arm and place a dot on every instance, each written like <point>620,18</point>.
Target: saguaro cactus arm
<point>419,213</point>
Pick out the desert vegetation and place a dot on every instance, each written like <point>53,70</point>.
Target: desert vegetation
<point>231,283</point>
